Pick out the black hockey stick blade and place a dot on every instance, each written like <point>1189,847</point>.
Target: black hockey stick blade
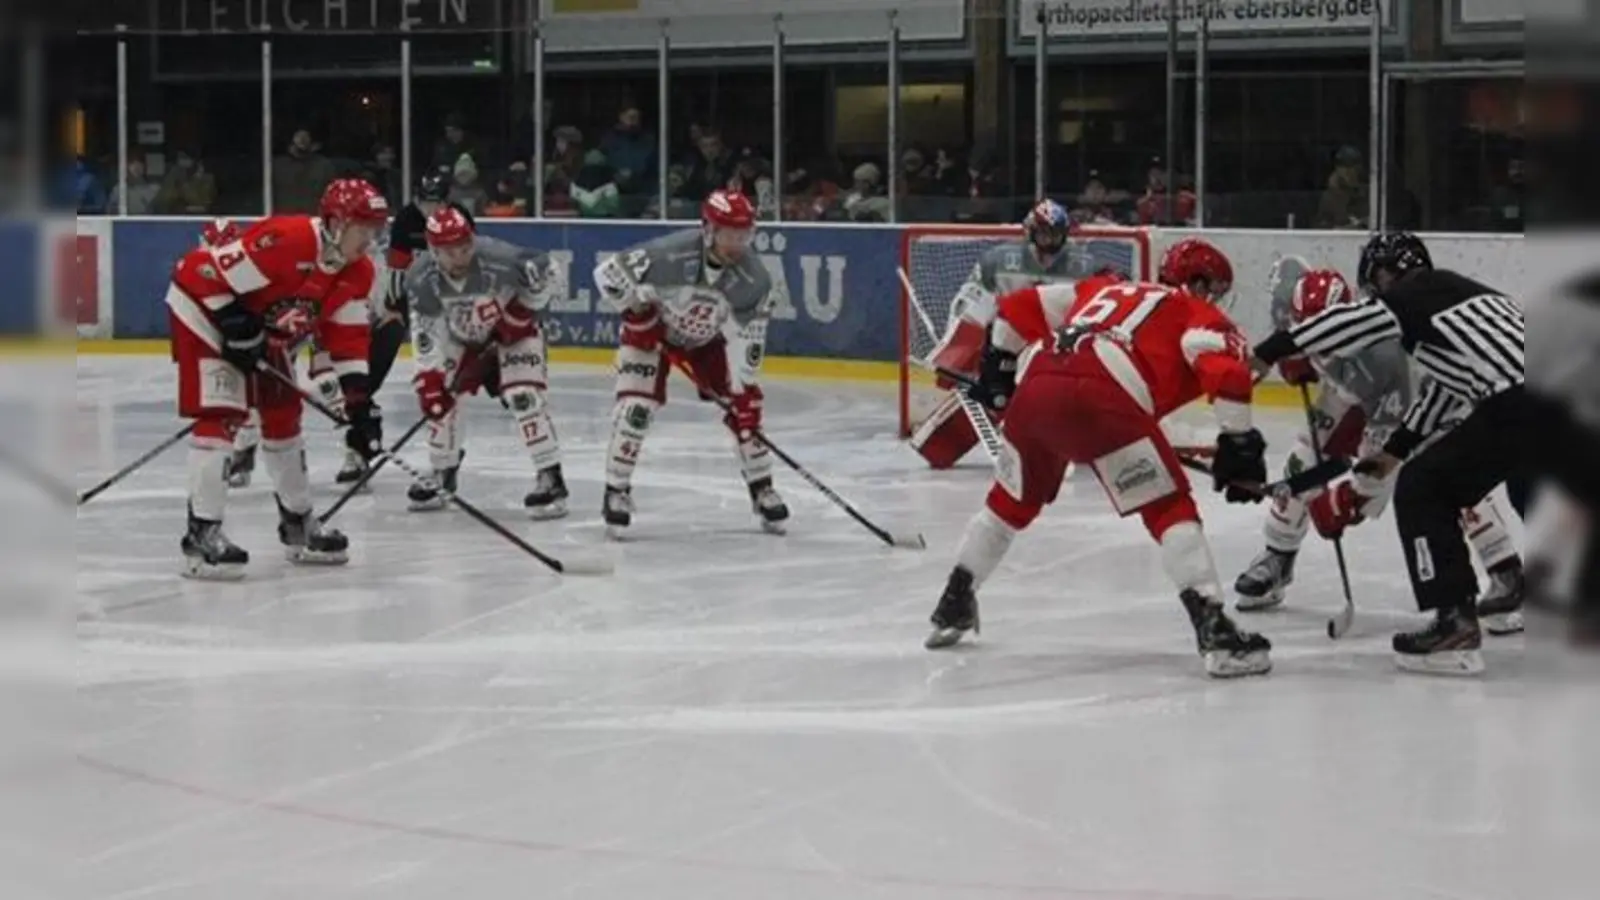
<point>597,566</point>
<point>1299,483</point>
<point>137,464</point>
<point>372,468</point>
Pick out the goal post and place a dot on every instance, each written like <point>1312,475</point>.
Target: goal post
<point>938,259</point>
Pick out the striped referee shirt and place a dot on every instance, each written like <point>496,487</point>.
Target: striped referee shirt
<point>1468,337</point>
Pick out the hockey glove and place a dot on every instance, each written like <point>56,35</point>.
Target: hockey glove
<point>997,378</point>
<point>365,434</point>
<point>244,336</point>
<point>744,412</point>
<point>432,394</point>
<point>1337,508</point>
<point>1241,457</point>
<point>1297,370</point>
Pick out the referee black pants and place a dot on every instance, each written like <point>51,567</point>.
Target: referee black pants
<point>1449,475</point>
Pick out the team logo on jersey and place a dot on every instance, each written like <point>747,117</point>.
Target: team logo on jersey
<point>752,356</point>
<point>266,240</point>
<point>424,342</point>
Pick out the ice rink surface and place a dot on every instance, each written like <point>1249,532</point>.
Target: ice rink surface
<point>736,715</point>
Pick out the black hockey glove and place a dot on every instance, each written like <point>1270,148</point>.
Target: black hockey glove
<point>364,437</point>
<point>1241,457</point>
<point>244,336</point>
<point>997,378</point>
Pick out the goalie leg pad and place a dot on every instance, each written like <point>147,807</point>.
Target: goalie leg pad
<point>285,462</point>
<point>444,440</point>
<point>946,435</point>
<point>630,424</point>
<point>531,422</point>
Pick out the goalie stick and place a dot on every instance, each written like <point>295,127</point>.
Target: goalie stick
<point>1341,622</point>
<point>570,567</point>
<point>893,539</point>
<point>981,423</point>
<point>137,464</point>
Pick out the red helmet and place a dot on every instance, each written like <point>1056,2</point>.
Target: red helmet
<point>447,227</point>
<point>727,209</point>
<point>1193,259</point>
<point>352,200</point>
<point>1317,290</point>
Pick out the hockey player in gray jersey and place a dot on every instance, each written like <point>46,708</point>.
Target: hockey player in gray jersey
<point>702,299</point>
<point>1042,256</point>
<point>474,323</point>
<point>1361,401</point>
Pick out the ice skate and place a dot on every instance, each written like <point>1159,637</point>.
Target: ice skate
<point>208,555</point>
<point>1262,585</point>
<point>1227,651</point>
<point>241,465</point>
<point>1500,607</point>
<point>549,497</point>
<point>1451,645</point>
<point>617,510</point>
<point>429,496</point>
<point>957,612</point>
<point>353,470</point>
<point>766,503</point>
<point>307,543</point>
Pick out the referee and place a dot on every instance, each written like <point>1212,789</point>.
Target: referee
<point>1469,338</point>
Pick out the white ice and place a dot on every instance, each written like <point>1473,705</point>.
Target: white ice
<point>736,715</point>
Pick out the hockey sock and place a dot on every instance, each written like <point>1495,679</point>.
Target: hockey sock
<point>1186,558</point>
<point>249,434</point>
<point>285,462</point>
<point>444,441</point>
<point>631,424</point>
<point>755,461</point>
<point>983,545</point>
<point>531,420</point>
<point>208,486</point>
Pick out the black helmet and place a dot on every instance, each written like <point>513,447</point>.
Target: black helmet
<point>433,186</point>
<point>1398,251</point>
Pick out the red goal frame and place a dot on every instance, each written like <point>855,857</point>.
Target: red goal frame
<point>1139,237</point>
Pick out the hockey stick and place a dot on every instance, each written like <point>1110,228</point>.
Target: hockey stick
<point>1299,483</point>
<point>573,567</point>
<point>975,411</point>
<point>907,541</point>
<point>1340,623</point>
<point>44,481</point>
<point>134,466</point>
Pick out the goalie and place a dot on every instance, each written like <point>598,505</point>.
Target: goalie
<point>1041,257</point>
<point>697,298</point>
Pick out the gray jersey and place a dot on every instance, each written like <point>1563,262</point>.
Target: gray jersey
<point>675,265</point>
<point>1012,266</point>
<point>446,313</point>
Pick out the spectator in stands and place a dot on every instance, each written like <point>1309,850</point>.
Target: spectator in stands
<point>384,174</point>
<point>808,195</point>
<point>503,201</point>
<point>84,190</point>
<point>566,153</point>
<point>454,143</point>
<point>983,196</point>
<point>465,188</point>
<point>1095,203</point>
<point>594,190</point>
<point>1153,206</point>
<point>752,177</point>
<point>300,176</point>
<point>713,165</point>
<point>631,151</point>
<point>142,190</point>
<point>519,179</point>
<point>557,193</point>
<point>866,202</point>
<point>1344,202</point>
<point>945,172</point>
<point>188,189</point>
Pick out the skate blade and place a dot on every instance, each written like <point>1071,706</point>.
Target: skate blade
<point>1447,662</point>
<point>426,505</point>
<point>779,528</point>
<point>1247,604</point>
<point>303,557</point>
<point>199,570</point>
<point>1503,624</point>
<point>618,533</point>
<point>944,637</point>
<point>556,510</point>
<point>1222,664</point>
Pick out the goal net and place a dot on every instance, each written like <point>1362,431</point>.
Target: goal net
<point>938,259</point>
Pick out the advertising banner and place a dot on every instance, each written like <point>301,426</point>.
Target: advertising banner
<point>83,290</point>
<point>608,25</point>
<point>1079,20</point>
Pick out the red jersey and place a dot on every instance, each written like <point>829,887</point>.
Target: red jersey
<point>275,268</point>
<point>1183,346</point>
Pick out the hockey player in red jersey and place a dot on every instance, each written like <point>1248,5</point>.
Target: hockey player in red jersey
<point>1085,374</point>
<point>254,296</point>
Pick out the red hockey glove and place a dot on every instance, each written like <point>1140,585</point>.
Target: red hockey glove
<point>642,329</point>
<point>1337,508</point>
<point>1297,370</point>
<point>744,416</point>
<point>432,394</point>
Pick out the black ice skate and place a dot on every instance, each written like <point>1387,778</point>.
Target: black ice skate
<point>240,466</point>
<point>307,543</point>
<point>957,612</point>
<point>617,510</point>
<point>1262,585</point>
<point>427,496</point>
<point>1227,651</point>
<point>208,555</point>
<point>1450,646</point>
<point>1500,607</point>
<point>765,502</point>
<point>352,471</point>
<point>549,497</point>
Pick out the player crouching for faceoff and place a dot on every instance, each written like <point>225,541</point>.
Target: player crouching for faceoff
<point>1101,363</point>
<point>254,298</point>
<point>702,299</point>
<point>1041,257</point>
<point>1360,402</point>
<point>474,303</point>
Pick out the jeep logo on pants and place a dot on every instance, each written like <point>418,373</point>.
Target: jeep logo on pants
<point>642,370</point>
